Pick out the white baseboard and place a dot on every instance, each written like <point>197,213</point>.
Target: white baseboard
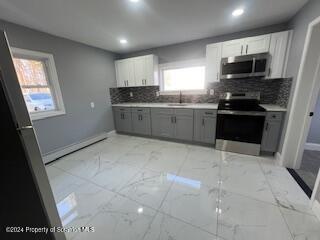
<point>279,159</point>
<point>312,146</point>
<point>316,208</point>
<point>74,147</point>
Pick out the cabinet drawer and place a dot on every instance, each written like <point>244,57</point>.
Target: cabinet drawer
<point>275,116</point>
<point>141,110</point>
<point>208,112</point>
<point>122,109</point>
<point>184,112</point>
<point>162,111</point>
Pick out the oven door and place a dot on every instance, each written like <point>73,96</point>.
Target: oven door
<point>240,127</point>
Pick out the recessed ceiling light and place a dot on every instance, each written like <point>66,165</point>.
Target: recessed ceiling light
<point>134,1</point>
<point>238,12</point>
<point>123,41</point>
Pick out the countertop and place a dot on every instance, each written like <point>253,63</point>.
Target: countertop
<point>268,107</point>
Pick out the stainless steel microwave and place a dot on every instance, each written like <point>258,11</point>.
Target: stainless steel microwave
<point>254,65</point>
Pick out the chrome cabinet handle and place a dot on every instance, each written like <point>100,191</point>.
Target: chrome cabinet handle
<point>241,49</point>
<point>247,47</point>
<point>202,121</point>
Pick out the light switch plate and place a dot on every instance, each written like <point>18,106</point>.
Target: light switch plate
<point>92,104</point>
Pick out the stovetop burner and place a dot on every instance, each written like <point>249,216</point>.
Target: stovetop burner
<point>240,102</point>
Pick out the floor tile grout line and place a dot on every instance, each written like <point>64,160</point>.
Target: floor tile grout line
<point>274,195</point>
<point>283,217</point>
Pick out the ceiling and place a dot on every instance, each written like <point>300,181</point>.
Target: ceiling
<point>146,24</point>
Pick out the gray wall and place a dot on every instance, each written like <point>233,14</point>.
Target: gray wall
<point>85,75</point>
<point>197,49</point>
<point>299,23</point>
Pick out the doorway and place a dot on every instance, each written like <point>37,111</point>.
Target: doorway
<point>306,174</point>
<point>295,154</point>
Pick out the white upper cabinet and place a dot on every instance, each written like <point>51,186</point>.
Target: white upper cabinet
<point>141,71</point>
<point>259,44</point>
<point>213,61</point>
<point>125,73</point>
<point>232,48</point>
<point>245,46</point>
<point>279,50</point>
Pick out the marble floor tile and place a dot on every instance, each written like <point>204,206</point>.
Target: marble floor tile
<point>242,218</point>
<point>120,219</point>
<point>192,202</point>
<point>202,164</point>
<point>287,192</point>
<point>80,205</point>
<point>148,187</point>
<point>169,158</point>
<point>114,176</point>
<point>243,175</point>
<point>138,188</point>
<point>165,227</point>
<point>62,183</point>
<point>302,226</point>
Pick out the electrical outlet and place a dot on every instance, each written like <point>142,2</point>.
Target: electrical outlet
<point>131,94</point>
<point>92,104</point>
<point>211,92</point>
<point>157,93</point>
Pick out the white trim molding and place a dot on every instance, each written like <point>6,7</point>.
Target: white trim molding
<point>53,82</point>
<point>316,208</point>
<point>312,146</point>
<point>51,156</point>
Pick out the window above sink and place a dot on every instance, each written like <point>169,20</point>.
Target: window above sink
<point>187,77</point>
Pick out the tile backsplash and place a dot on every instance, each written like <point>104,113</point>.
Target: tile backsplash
<point>273,91</point>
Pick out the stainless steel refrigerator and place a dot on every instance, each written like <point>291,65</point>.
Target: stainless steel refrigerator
<point>26,195</point>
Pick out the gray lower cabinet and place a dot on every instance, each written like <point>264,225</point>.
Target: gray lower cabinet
<point>184,127</point>
<point>205,126</point>
<point>122,117</point>
<point>141,122</point>
<point>272,132</point>
<point>172,123</point>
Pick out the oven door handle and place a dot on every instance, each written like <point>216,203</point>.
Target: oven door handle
<point>246,113</point>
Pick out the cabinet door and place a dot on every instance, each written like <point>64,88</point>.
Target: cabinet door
<point>213,61</point>
<point>279,51</point>
<point>259,44</point>
<point>271,136</point>
<point>233,48</point>
<point>208,134</point>
<point>151,70</point>
<point>183,127</point>
<point>162,123</point>
<point>205,126</point>
<point>140,71</point>
<point>141,123</point>
<point>123,121</point>
<point>125,73</point>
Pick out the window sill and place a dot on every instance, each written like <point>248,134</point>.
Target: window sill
<point>44,115</point>
<point>185,92</point>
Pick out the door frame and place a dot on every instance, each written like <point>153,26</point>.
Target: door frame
<point>304,100</point>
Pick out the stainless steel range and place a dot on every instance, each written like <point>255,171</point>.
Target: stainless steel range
<point>240,123</point>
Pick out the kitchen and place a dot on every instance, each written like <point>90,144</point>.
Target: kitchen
<point>182,133</point>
